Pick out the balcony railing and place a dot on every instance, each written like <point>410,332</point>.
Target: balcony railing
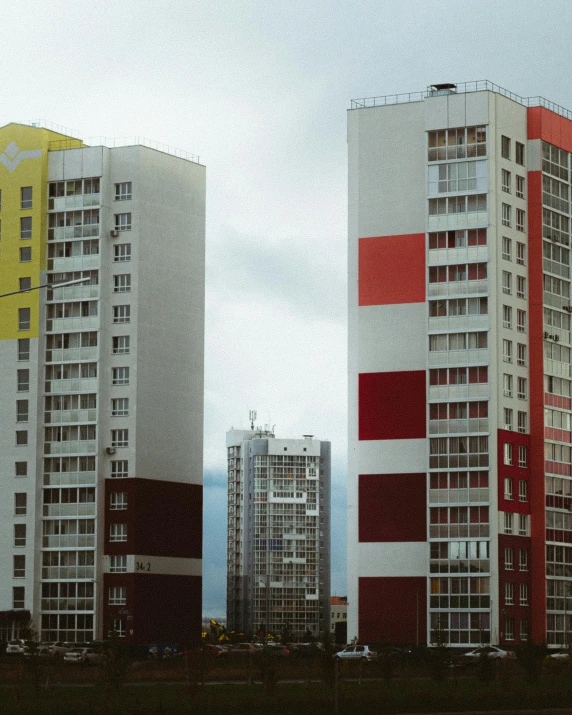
<point>76,446</point>
<point>84,509</point>
<point>458,357</point>
<point>72,384</point>
<point>67,264</point>
<point>76,292</point>
<point>71,354</point>
<point>457,496</point>
<point>459,392</point>
<point>458,426</point>
<point>457,288</point>
<point>80,322</point>
<point>67,572</point>
<point>68,541</point>
<point>459,323</point>
<point>85,230</point>
<point>54,479</point>
<point>468,254</point>
<point>65,203</point>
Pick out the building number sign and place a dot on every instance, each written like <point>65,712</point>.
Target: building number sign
<point>140,566</point>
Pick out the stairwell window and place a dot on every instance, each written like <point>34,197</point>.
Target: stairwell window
<point>121,345</point>
<point>123,222</point>
<point>118,532</point>
<point>506,215</point>
<point>122,283</point>
<point>123,191</point>
<point>507,282</point>
<point>119,437</point>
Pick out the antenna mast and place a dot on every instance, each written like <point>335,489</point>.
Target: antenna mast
<point>252,417</point>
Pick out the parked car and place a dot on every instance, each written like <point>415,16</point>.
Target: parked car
<point>60,648</point>
<point>559,655</point>
<point>490,651</point>
<point>277,650</point>
<point>16,647</point>
<point>82,655</point>
<point>242,649</point>
<point>356,652</point>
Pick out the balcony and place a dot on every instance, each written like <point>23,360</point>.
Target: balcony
<point>67,572</point>
<point>57,417</point>
<point>72,384</point>
<point>67,604</point>
<point>467,254</point>
<point>459,392</point>
<point>459,358</point>
<point>72,354</point>
<point>75,292</point>
<point>557,269</point>
<point>459,323</point>
<point>458,288</point>
<point>55,479</point>
<point>454,222</point>
<point>87,509</point>
<point>74,263</point>
<point>457,496</point>
<point>68,541</point>
<point>65,203</point>
<point>553,367</point>
<point>61,233</point>
<point>75,446</point>
<point>79,322</point>
<point>468,426</point>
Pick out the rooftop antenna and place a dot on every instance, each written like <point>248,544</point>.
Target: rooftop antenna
<point>252,417</point>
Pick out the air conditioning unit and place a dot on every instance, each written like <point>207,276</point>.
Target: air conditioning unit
<point>114,233</point>
<point>110,450</point>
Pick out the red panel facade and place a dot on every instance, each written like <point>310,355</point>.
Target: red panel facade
<point>159,608</point>
<point>392,405</point>
<point>536,356</point>
<point>550,127</point>
<point>392,269</point>
<point>515,574</point>
<point>392,610</point>
<point>163,518</point>
<point>392,507</point>
<point>513,472</point>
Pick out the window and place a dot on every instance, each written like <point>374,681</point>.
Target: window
<point>122,252</point>
<point>23,349</point>
<point>121,345</point>
<point>509,593</point>
<point>19,568</point>
<point>520,186</point>
<point>21,410</point>
<point>25,254</point>
<point>520,219</point>
<point>507,385</point>
<point>520,287</point>
<point>521,388</point>
<point>121,313</point>
<point>117,596</point>
<point>26,232</point>
<point>118,532</point>
<point>117,628</point>
<point>120,376</point>
<point>506,248</point>
<point>120,406</point>
<point>123,191</point>
<point>507,350</point>
<point>119,437</point>
<point>506,181</point>
<point>118,564</point>
<point>507,282</point>
<point>520,354</point>
<point>508,494</point>
<point>23,318</point>
<point>509,628</point>
<point>20,503</point>
<point>523,526</point>
<point>19,534</point>
<point>506,215</point>
<point>119,469</point>
<point>122,283</point>
<point>524,629</point>
<point>21,438</point>
<point>123,222</point>
<point>522,422</point>
<point>21,469</point>
<point>507,418</point>
<point>26,197</point>
<point>509,559</point>
<point>523,594</point>
<point>118,501</point>
<point>507,453</point>
<point>18,597</point>
<point>523,560</point>
<point>505,147</point>
<point>507,316</point>
<point>519,153</point>
<point>25,283</point>
<point>23,380</point>
<point>520,253</point>
<point>522,456</point>
<point>521,321</point>
<point>522,490</point>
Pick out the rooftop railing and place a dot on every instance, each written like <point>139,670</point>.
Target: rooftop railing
<point>462,88</point>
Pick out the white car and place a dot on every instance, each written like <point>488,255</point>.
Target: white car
<point>82,655</point>
<point>356,652</point>
<point>490,651</point>
<point>560,655</point>
<point>16,647</point>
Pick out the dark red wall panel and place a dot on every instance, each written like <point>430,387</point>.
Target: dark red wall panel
<point>159,608</point>
<point>392,269</point>
<point>392,507</point>
<point>392,610</point>
<point>392,405</point>
<point>163,518</point>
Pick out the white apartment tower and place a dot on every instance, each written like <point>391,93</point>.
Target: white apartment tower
<point>101,387</point>
<point>278,565</point>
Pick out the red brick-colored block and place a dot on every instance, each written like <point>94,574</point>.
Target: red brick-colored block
<point>392,507</point>
<point>392,405</point>
<point>392,610</point>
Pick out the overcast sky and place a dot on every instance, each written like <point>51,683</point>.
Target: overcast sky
<point>259,89</point>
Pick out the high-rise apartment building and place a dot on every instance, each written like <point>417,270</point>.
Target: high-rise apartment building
<point>101,385</point>
<point>278,559</point>
<point>460,482</point>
